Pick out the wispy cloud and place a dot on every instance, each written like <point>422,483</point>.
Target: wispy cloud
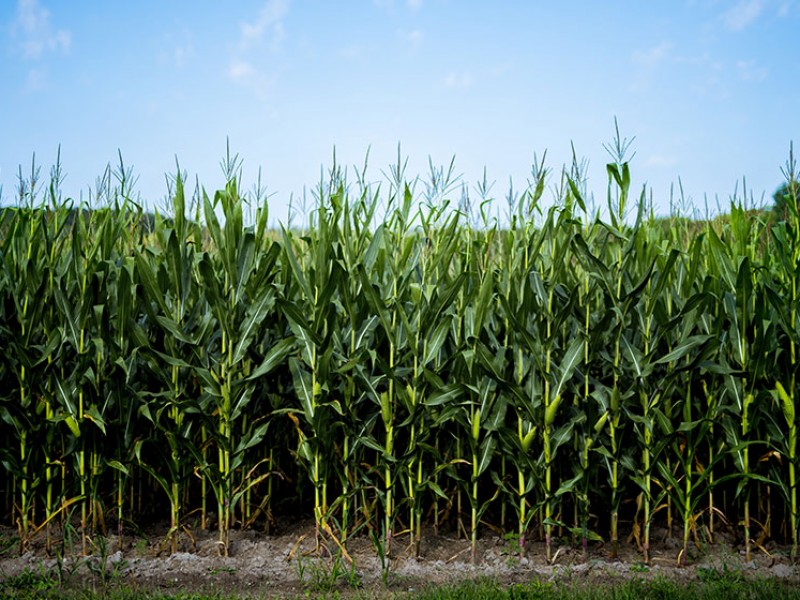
<point>647,61</point>
<point>651,65</point>
<point>35,32</point>
<point>413,5</point>
<point>241,71</point>
<point>742,14</point>
<point>265,30</point>
<point>177,52</point>
<point>259,81</point>
<point>268,22</point>
<point>749,70</point>
<point>458,80</point>
<point>500,69</point>
<point>413,39</point>
<point>35,81</point>
<point>653,56</point>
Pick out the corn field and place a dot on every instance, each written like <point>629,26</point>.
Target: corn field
<point>398,365</point>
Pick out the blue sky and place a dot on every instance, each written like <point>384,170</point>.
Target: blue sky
<point>709,88</point>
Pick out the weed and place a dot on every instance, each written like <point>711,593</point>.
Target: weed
<point>104,567</point>
<point>324,576</point>
<point>29,580</point>
<point>533,589</point>
<point>639,567</point>
<point>141,546</point>
<point>725,575</point>
<point>378,542</point>
<point>8,542</point>
<point>513,549</point>
<point>66,565</point>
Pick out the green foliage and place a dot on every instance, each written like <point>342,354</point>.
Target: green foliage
<point>396,363</point>
<point>638,588</point>
<point>785,200</point>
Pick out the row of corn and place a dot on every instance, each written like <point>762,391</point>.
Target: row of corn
<point>399,363</point>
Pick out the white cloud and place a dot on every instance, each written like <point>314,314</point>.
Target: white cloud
<point>413,39</point>
<point>743,14</point>
<point>391,5</point>
<point>651,57</point>
<point>35,81</point>
<point>177,52</point>
<point>258,81</point>
<point>749,70</point>
<point>457,80</point>
<point>500,69</point>
<point>266,30</point>
<point>181,54</point>
<point>647,61</point>
<point>650,64</point>
<point>35,31</point>
<point>269,19</point>
<point>241,71</point>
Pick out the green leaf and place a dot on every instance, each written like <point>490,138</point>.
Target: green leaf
<point>445,395</point>
<point>115,464</point>
<point>147,278</point>
<point>436,489</point>
<point>172,328</point>
<point>255,316</point>
<point>486,453</point>
<point>571,359</point>
<point>171,360</point>
<point>69,318</point>
<point>302,386</point>
<point>374,246</point>
<point>435,341</point>
<point>567,487</point>
<point>276,355</point>
<point>91,414</point>
<point>684,348</point>
<point>299,275</point>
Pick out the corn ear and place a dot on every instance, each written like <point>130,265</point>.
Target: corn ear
<point>550,413</point>
<point>527,439</point>
<point>386,408</point>
<point>601,422</point>
<point>786,403</point>
<point>476,425</point>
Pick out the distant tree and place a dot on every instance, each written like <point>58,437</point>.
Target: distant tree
<point>788,192</point>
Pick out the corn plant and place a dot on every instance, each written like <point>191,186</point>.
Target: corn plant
<point>181,323</point>
<point>399,356</point>
<point>312,317</point>
<point>238,287</point>
<point>783,296</point>
<point>433,296</point>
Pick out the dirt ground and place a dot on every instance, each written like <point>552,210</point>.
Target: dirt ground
<point>288,564</point>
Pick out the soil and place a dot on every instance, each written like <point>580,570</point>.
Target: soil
<point>288,563</point>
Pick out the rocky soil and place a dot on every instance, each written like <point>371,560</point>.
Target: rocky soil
<point>289,563</point>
